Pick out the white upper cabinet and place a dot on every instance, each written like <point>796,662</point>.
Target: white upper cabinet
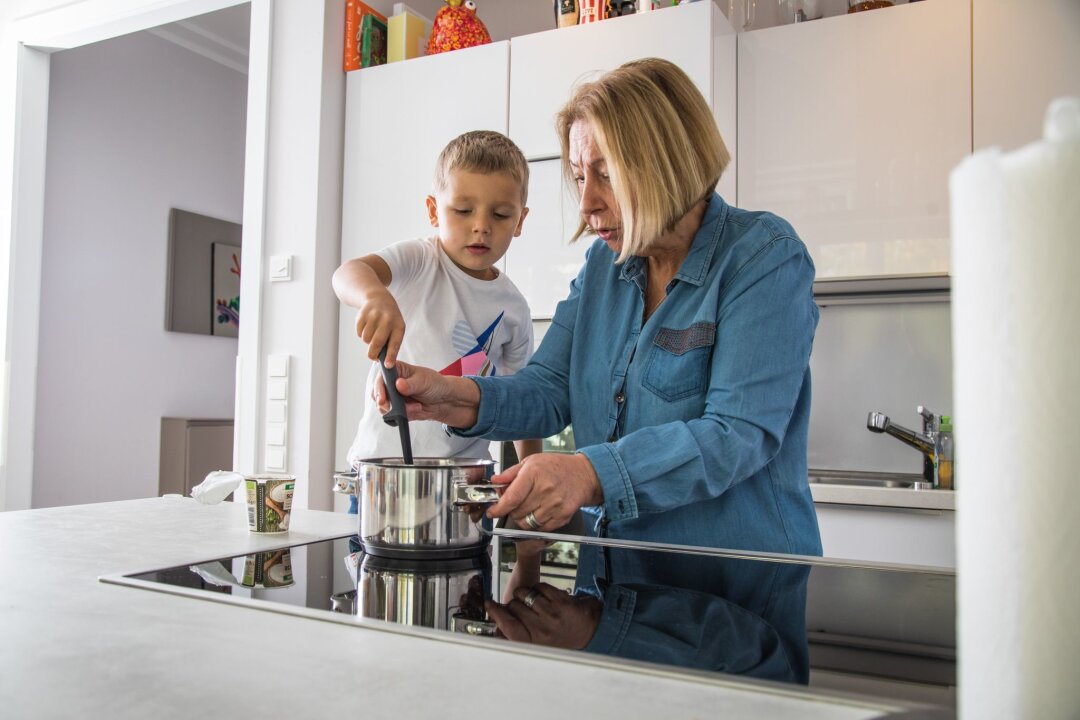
<point>849,127</point>
<point>544,68</point>
<point>398,117</point>
<point>542,261</point>
<point>1025,55</point>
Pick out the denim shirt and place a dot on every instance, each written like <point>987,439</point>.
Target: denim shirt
<point>695,420</point>
<point>737,616</point>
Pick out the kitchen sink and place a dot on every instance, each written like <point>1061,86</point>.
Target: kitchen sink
<point>859,478</point>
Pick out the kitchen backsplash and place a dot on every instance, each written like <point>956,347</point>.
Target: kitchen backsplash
<point>889,357</point>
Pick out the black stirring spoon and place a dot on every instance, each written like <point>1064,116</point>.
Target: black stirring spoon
<point>396,416</point>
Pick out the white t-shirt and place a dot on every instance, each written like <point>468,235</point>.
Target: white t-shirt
<point>454,323</point>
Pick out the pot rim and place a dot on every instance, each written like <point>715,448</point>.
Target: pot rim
<point>426,462</point>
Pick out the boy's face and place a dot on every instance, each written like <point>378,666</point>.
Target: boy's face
<point>477,215</point>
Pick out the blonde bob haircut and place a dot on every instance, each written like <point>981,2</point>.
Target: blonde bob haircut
<point>484,152</point>
<point>663,150</point>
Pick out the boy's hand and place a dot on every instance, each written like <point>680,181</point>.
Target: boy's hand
<point>379,323</point>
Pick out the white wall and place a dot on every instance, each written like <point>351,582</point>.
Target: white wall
<point>136,125</point>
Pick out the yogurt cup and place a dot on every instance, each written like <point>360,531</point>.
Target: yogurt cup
<point>268,569</point>
<point>269,502</point>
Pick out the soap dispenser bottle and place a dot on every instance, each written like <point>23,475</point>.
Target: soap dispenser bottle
<point>946,466</point>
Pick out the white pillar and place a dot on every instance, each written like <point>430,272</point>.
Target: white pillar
<point>1016,345</point>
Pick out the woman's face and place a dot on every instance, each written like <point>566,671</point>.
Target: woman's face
<point>597,204</point>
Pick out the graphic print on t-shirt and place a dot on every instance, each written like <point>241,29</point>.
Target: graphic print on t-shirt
<point>474,351</point>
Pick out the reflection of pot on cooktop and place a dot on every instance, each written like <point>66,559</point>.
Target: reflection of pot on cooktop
<point>440,594</point>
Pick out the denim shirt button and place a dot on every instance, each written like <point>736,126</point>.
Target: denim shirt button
<point>620,397</point>
<point>612,438</point>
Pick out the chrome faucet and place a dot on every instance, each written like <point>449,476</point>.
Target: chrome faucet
<point>928,442</point>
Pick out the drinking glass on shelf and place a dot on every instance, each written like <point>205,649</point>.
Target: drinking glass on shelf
<point>740,13</point>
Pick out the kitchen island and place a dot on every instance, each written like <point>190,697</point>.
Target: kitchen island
<point>71,645</point>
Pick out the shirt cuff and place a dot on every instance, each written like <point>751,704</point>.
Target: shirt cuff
<point>619,501</point>
<point>485,413</point>
<point>614,621</point>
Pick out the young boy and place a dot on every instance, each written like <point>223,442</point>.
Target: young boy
<point>462,314</point>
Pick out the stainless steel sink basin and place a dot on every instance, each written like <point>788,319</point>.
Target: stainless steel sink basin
<point>857,478</point>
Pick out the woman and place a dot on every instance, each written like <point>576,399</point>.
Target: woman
<point>681,354</point>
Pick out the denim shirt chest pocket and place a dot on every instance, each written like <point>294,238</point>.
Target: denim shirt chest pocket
<point>678,362</point>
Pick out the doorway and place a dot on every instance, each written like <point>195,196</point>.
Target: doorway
<point>92,368</point>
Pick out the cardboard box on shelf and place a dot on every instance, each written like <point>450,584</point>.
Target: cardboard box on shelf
<point>407,33</point>
<point>356,13</point>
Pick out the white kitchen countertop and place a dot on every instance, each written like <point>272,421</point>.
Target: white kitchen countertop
<point>883,496</point>
<point>71,646</point>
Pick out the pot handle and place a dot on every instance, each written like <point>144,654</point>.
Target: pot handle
<point>345,483</point>
<point>460,623</point>
<point>476,494</point>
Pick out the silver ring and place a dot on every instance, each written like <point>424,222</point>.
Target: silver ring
<point>530,599</point>
<point>531,521</point>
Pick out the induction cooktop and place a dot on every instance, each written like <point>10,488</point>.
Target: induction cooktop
<point>768,617</point>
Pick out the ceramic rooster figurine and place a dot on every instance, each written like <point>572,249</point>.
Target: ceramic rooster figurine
<point>456,26</point>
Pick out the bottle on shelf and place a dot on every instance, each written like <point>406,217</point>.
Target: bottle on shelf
<point>566,13</point>
<point>860,5</point>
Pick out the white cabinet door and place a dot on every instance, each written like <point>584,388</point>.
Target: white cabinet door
<point>545,66</point>
<point>398,118</point>
<point>1025,55</point>
<point>848,128</point>
<point>542,262</point>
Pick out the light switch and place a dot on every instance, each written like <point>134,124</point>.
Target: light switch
<point>278,366</point>
<point>280,268</point>
<point>276,411</point>
<point>275,434</point>
<point>275,458</point>
<point>277,389</point>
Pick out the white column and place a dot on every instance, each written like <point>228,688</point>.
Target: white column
<point>1016,343</point>
<point>302,219</point>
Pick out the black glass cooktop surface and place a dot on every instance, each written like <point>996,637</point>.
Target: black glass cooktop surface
<point>801,621</point>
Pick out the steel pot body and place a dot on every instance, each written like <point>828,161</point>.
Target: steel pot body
<point>423,510</point>
<point>440,594</point>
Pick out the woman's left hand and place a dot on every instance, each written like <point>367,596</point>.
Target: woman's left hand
<point>545,615</point>
<point>545,490</point>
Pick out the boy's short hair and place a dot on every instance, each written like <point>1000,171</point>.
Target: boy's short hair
<point>485,152</point>
<point>658,135</point>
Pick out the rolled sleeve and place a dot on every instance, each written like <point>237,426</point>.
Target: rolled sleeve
<point>615,621</point>
<point>619,498</point>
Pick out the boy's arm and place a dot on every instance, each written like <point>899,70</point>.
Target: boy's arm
<point>356,279</point>
<point>362,283</point>
<point>524,448</point>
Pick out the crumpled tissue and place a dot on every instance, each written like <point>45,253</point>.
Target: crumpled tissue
<point>215,574</point>
<point>216,486</point>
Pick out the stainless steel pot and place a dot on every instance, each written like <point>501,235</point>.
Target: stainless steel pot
<point>441,594</point>
<point>423,510</point>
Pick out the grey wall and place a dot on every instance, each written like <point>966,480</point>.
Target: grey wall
<point>136,125</point>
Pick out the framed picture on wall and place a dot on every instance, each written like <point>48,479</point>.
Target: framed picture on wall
<point>226,290</point>
<point>203,293</point>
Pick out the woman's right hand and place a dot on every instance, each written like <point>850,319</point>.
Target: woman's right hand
<point>429,395</point>
<point>379,323</point>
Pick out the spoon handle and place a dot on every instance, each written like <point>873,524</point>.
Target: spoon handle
<point>396,416</point>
